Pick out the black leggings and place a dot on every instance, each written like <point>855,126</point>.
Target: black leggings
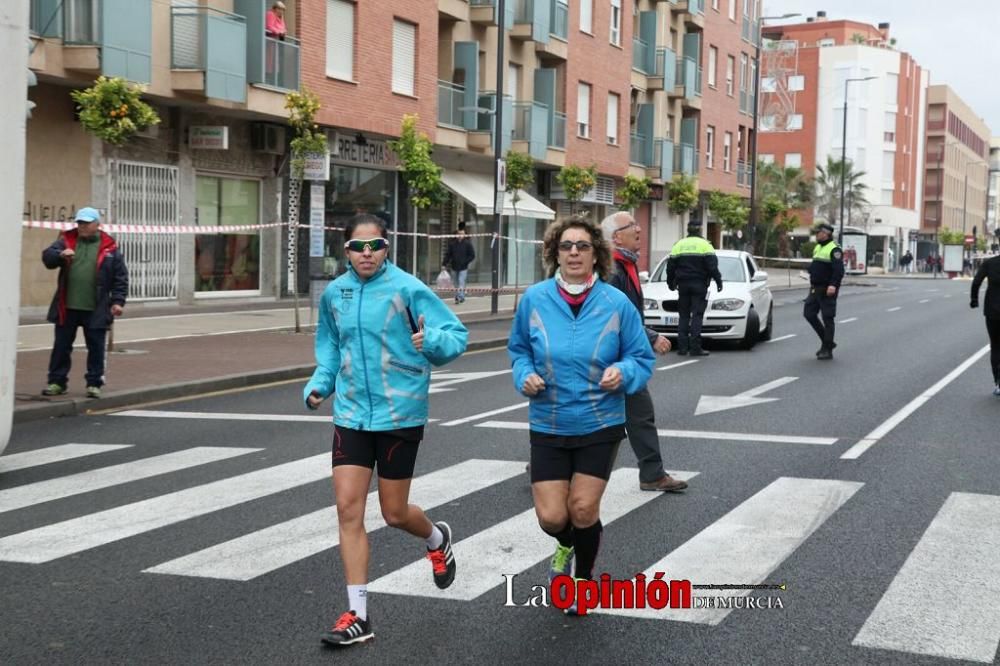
<point>993,328</point>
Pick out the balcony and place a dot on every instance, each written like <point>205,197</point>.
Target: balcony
<point>694,13</point>
<point>117,42</point>
<point>744,174</point>
<point>559,24</point>
<point>936,124</point>
<point>686,159</point>
<point>532,126</point>
<point>450,96</point>
<point>557,132</point>
<point>481,137</point>
<point>455,10</point>
<point>640,150</point>
<point>688,81</point>
<point>281,63</point>
<point>483,12</point>
<point>663,160</point>
<point>208,50</point>
<point>643,58</point>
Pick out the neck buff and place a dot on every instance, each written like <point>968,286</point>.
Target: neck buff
<point>574,294</point>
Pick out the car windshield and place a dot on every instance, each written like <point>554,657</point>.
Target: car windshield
<point>730,267</point>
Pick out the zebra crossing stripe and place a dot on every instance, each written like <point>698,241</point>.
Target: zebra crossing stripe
<point>105,477</point>
<point>266,550</point>
<point>53,454</point>
<point>945,600</point>
<point>511,546</point>
<point>747,544</point>
<point>76,535</point>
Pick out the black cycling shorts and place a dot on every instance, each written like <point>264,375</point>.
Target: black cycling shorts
<point>556,463</point>
<point>395,451</point>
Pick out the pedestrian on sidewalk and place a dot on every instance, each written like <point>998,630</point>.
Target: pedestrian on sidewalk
<point>692,266</point>
<point>990,270</point>
<point>825,274</point>
<point>622,232</point>
<point>91,291</point>
<point>380,331</point>
<point>577,347</point>
<point>459,255</point>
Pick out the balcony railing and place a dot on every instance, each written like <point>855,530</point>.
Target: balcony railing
<point>744,174</point>
<point>685,159</point>
<point>532,124</point>
<point>640,55</point>
<point>638,150</point>
<point>214,42</point>
<point>81,21</point>
<point>450,96</point>
<point>281,63</point>
<point>696,6</point>
<point>663,160</point>
<point>557,134</point>
<point>482,3</point>
<point>689,75</point>
<point>560,19</point>
<point>524,11</point>
<point>935,124</point>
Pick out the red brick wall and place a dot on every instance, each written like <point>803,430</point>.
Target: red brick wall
<point>369,104</point>
<point>807,34</point>
<point>594,60</point>
<point>907,135</point>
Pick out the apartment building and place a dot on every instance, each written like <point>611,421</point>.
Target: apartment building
<point>218,84</point>
<point>805,72</point>
<point>993,200</point>
<point>957,163</point>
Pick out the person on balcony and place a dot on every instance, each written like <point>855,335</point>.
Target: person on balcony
<point>274,25</point>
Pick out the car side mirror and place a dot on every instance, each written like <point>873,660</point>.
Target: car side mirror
<point>759,276</point>
<point>644,276</point>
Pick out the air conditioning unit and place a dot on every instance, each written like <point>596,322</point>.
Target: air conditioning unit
<point>267,138</point>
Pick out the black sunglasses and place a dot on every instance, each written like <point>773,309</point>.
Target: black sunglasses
<point>373,244</point>
<point>582,246</point>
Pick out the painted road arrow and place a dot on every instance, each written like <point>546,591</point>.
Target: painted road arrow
<point>708,404</point>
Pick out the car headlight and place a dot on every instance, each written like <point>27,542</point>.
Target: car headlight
<point>728,304</point>
<point>650,304</point>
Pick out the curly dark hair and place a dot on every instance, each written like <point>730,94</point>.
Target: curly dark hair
<point>550,246</point>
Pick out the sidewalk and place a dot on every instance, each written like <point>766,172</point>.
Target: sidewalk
<point>164,356</point>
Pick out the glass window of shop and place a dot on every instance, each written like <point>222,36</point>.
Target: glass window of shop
<point>430,249</point>
<point>227,262</point>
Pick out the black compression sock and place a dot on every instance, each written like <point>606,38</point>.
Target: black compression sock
<point>563,536</point>
<point>588,542</point>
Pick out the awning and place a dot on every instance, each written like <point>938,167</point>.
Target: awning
<point>477,189</point>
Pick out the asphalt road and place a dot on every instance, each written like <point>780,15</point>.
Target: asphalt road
<point>209,538</point>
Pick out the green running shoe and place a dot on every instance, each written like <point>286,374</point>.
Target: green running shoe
<point>562,562</point>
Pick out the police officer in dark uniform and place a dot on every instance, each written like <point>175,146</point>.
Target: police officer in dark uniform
<point>691,267</point>
<point>825,273</point>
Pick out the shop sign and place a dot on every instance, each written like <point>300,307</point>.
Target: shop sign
<point>316,166</point>
<point>209,137</point>
<point>367,152</point>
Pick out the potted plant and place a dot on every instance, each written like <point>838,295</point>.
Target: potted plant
<point>112,110</point>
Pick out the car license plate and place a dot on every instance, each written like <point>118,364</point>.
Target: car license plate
<point>671,320</point>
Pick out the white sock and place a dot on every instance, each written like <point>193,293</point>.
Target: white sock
<point>357,596</point>
<point>435,539</point>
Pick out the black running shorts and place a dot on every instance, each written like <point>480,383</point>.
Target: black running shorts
<point>554,463</point>
<point>395,451</point>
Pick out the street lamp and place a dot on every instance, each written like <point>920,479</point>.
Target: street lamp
<point>843,155</point>
<point>756,106</point>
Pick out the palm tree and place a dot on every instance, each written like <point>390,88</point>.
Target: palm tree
<point>828,183</point>
<point>784,191</point>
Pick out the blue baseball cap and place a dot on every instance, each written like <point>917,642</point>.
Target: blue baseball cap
<point>87,214</point>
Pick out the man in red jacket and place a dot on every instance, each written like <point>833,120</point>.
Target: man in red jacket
<point>91,292</point>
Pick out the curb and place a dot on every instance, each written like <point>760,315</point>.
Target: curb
<point>84,406</point>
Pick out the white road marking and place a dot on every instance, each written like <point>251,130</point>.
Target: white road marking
<point>269,549</point>
<point>783,337</point>
<point>945,600</point>
<point>230,416</point>
<point>482,415</point>
<point>926,300</point>
<point>947,296</point>
<point>53,454</point>
<point>848,320</point>
<point>677,365</point>
<point>510,546</point>
<point>889,424</point>
<point>76,535</point>
<point>709,404</point>
<point>747,544</point>
<point>695,434</point>
<point>105,477</point>
<point>444,381</point>
<point>895,309</point>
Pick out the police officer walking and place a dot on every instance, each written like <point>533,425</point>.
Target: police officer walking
<point>691,267</point>
<point>825,273</point>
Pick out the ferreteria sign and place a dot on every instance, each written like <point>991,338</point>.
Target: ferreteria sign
<point>347,149</point>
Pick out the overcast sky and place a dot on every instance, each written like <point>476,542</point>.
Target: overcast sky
<point>958,41</point>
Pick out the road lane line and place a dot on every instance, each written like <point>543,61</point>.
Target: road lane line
<point>676,365</point>
<point>223,416</point>
<point>926,300</point>
<point>476,417</point>
<point>890,424</point>
<point>895,309</point>
<point>784,337</point>
<point>511,546</point>
<point>848,320</point>
<point>106,477</point>
<point>694,434</point>
<point>76,535</point>
<point>272,548</point>
<point>944,601</point>
<point>747,544</point>
<point>53,454</point>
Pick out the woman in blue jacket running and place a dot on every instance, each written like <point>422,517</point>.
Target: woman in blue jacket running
<point>380,330</point>
<point>578,347</point>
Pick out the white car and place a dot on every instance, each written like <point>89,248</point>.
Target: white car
<point>743,311</point>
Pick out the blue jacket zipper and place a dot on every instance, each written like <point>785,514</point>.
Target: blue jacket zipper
<point>364,359</point>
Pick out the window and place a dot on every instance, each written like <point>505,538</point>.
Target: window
<point>404,57</point>
<point>793,160</point>
<point>709,147</point>
<point>513,82</point>
<point>767,158</point>
<point>795,121</point>
<point>888,165</point>
<point>230,261</point>
<point>744,65</point>
<point>768,84</point>
<point>583,110</point>
<point>748,8</point>
<point>340,39</point>
<point>860,157</point>
<point>891,89</point>
<point>829,41</point>
<point>727,150</point>
<point>616,22</point>
<point>889,130</point>
<point>886,197</point>
<point>732,9</point>
<point>730,71</point>
<point>613,101</point>
<point>715,5</point>
<point>796,83</point>
<point>587,15</point>
<point>713,57</point>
